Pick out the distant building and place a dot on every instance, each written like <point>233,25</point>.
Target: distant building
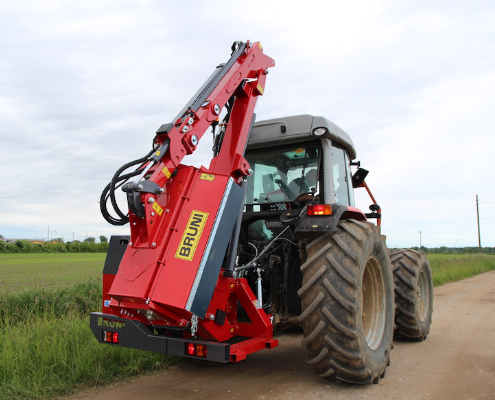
<point>34,241</point>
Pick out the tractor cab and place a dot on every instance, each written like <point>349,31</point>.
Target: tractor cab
<point>296,161</point>
<point>298,155</point>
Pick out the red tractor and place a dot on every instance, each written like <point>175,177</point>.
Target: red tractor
<point>266,237</point>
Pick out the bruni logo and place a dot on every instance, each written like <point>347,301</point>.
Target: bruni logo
<point>111,323</point>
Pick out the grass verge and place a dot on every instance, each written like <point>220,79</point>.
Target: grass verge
<point>48,349</point>
<point>455,267</point>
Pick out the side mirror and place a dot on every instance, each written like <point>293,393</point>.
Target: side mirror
<point>374,214</point>
<point>359,177</point>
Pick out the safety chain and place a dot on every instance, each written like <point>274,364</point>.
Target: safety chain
<point>194,325</point>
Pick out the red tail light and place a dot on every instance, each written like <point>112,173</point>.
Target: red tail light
<point>110,337</point>
<point>196,350</point>
<point>189,349</point>
<point>319,209</point>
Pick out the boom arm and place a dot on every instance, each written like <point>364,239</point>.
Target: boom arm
<point>243,76</point>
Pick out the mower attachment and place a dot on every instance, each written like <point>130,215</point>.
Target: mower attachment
<point>173,282</point>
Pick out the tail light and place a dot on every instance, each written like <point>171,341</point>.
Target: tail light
<point>110,337</point>
<point>319,209</point>
<point>196,350</point>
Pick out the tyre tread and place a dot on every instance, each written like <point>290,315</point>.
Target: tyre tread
<point>341,271</point>
<point>407,266</point>
<point>351,333</point>
<point>315,303</point>
<point>337,296</point>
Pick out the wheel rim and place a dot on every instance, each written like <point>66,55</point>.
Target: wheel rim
<point>373,303</point>
<point>422,296</point>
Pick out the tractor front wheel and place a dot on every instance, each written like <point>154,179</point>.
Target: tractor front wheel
<point>347,300</point>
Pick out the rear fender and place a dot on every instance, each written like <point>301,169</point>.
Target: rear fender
<point>353,213</point>
<point>116,249</point>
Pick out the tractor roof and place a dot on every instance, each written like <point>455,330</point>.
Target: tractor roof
<point>298,128</point>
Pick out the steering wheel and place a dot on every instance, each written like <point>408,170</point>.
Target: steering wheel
<point>289,193</point>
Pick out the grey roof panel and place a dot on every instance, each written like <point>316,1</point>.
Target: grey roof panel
<point>295,129</point>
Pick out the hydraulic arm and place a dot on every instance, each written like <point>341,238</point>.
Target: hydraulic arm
<point>175,275</point>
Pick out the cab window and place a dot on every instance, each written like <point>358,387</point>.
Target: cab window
<point>340,176</point>
<point>281,175</point>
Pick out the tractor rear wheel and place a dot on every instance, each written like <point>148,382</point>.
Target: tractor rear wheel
<point>347,300</point>
<point>413,294</point>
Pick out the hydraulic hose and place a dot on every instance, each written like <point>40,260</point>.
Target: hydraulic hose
<point>117,181</point>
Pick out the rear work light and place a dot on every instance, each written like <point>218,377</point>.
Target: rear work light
<point>320,131</point>
<point>319,209</point>
<point>110,337</point>
<point>196,350</point>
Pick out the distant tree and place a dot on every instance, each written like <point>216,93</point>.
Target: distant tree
<point>90,240</point>
<point>103,239</point>
<point>59,240</point>
<point>1,237</point>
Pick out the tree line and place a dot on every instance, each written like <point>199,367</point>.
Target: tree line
<point>89,245</point>
<point>454,250</point>
<point>57,245</point>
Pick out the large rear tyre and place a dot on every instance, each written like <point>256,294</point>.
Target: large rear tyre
<point>347,300</point>
<point>413,294</point>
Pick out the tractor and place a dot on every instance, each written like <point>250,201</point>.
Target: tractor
<point>267,237</point>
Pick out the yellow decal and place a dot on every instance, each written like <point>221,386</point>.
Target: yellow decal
<point>260,89</point>
<point>158,152</point>
<point>207,177</point>
<point>259,44</point>
<point>191,236</point>
<point>111,323</point>
<point>166,172</point>
<point>157,208</point>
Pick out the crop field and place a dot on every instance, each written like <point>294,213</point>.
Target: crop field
<point>48,270</point>
<point>46,346</point>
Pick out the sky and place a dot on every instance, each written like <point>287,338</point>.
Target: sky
<point>85,85</point>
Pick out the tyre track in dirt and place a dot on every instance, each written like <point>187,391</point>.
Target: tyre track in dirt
<point>457,361</point>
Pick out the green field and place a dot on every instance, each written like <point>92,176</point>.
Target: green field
<point>28,270</point>
<point>46,346</point>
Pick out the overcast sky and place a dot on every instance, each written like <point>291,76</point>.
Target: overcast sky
<point>85,85</point>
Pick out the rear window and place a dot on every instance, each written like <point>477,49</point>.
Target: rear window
<point>281,174</point>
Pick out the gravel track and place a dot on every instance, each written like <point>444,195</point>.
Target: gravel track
<point>457,361</point>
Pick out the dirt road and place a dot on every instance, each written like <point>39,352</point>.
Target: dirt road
<point>457,361</point>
